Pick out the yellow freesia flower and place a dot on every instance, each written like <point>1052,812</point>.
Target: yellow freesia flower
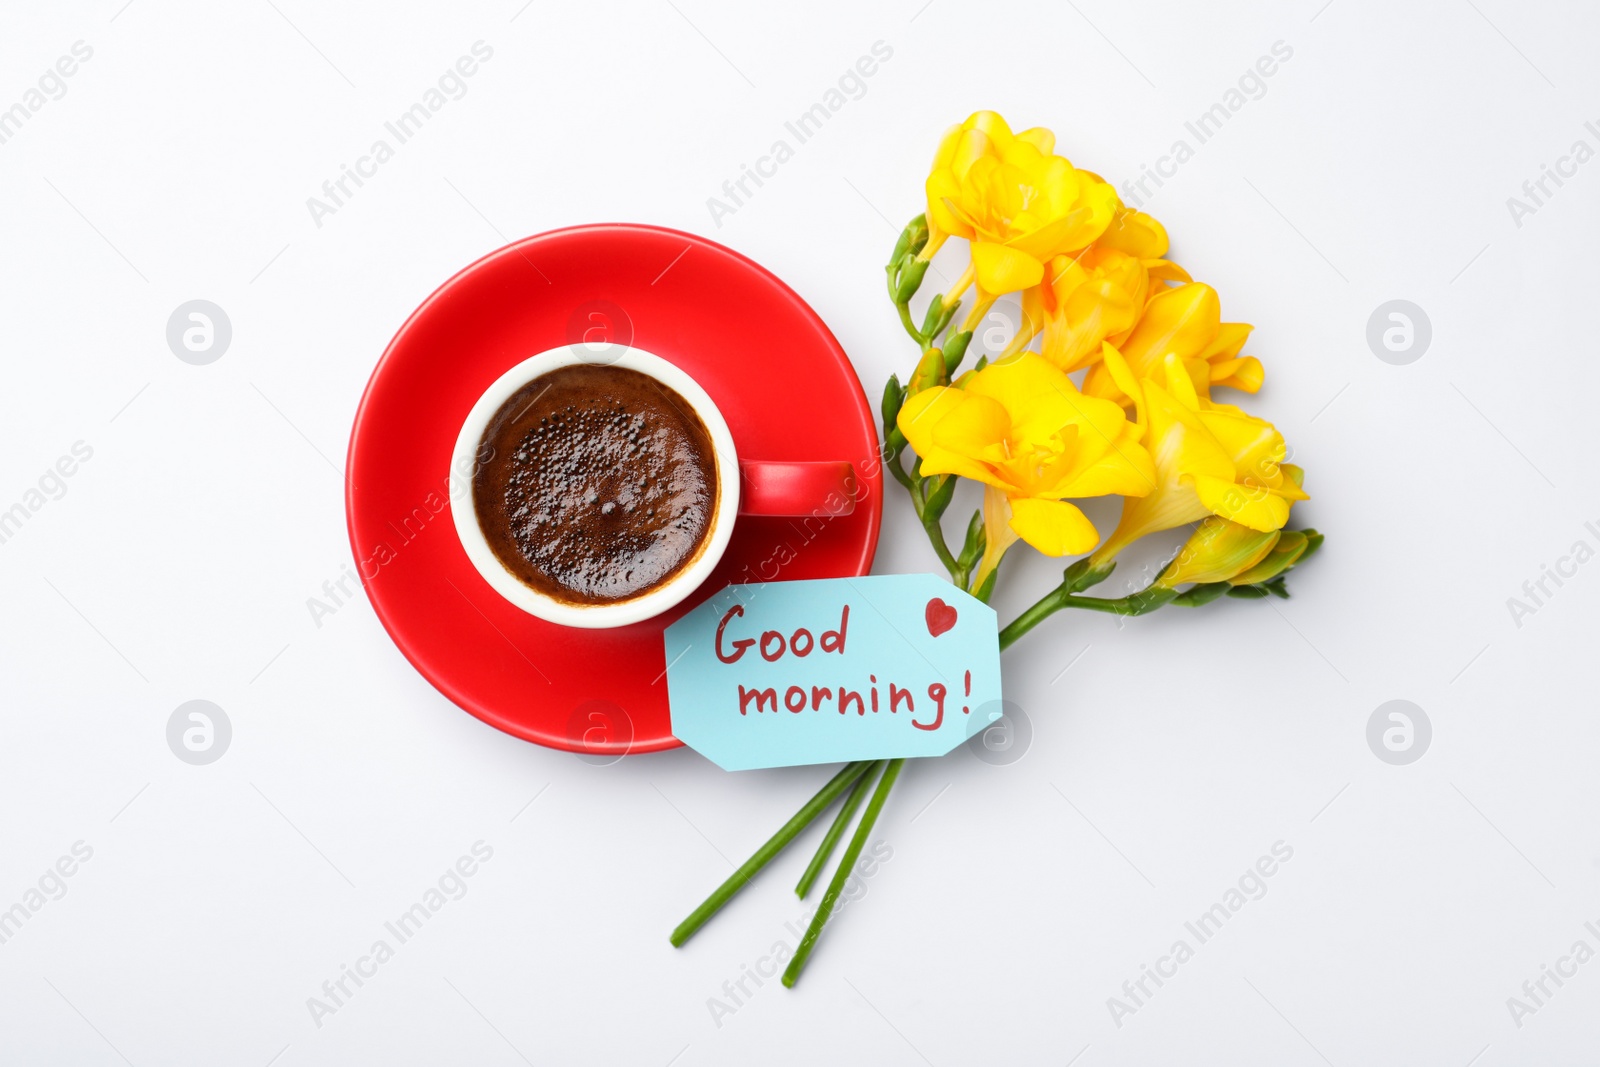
<point>1210,459</point>
<point>1088,299</point>
<point>984,133</point>
<point>1022,428</point>
<point>1185,322</point>
<point>1017,203</point>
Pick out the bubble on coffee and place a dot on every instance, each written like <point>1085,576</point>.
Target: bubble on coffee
<point>602,486</point>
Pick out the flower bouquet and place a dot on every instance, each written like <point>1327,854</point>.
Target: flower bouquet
<point>1106,389</point>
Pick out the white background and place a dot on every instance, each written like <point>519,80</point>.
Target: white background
<point>1164,760</point>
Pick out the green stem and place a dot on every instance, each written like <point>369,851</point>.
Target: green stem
<point>847,865</point>
<point>1037,612</point>
<point>899,472</point>
<point>894,446</point>
<point>836,831</point>
<point>740,878</point>
<point>935,534</point>
<point>1140,603</point>
<point>905,320</point>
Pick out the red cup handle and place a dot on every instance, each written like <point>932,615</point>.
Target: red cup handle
<point>827,488</point>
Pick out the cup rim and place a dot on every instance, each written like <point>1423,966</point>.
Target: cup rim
<point>463,504</point>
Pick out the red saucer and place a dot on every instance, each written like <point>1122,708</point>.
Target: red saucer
<point>781,380</point>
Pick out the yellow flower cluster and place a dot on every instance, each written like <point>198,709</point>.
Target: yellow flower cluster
<point>1101,298</point>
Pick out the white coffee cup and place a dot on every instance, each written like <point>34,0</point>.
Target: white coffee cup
<point>657,599</point>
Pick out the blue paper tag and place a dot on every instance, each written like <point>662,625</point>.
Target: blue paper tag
<point>781,674</point>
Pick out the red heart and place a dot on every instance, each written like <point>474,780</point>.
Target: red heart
<point>940,616</point>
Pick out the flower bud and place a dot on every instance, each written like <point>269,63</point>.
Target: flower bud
<point>1285,554</point>
<point>1216,551</point>
<point>939,496</point>
<point>955,347</point>
<point>929,373</point>
<point>893,396</point>
<point>910,281</point>
<point>912,240</point>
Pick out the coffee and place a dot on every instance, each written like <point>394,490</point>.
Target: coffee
<point>601,484</point>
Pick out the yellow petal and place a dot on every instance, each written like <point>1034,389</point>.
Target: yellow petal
<point>1179,442</point>
<point>1181,321</point>
<point>921,413</point>
<point>989,123</point>
<point>1074,229</point>
<point>975,146</point>
<point>1166,271</point>
<point>1034,313</point>
<point>1054,527</point>
<point>1042,400</point>
<point>1228,342</point>
<point>1117,369</point>
<point>998,536</point>
<point>1099,382</point>
<point>1254,506</point>
<point>1288,489</point>
<point>972,425</point>
<point>1002,269</point>
<point>1137,234</point>
<point>1244,374</point>
<point>1040,138</point>
<point>1123,469</point>
<point>944,461</point>
<point>1180,383</point>
<point>1255,445</point>
<point>941,188</point>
